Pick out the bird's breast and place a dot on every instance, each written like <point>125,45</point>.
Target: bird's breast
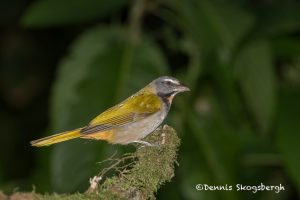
<point>138,130</point>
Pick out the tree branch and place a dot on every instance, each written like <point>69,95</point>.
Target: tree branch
<point>140,174</point>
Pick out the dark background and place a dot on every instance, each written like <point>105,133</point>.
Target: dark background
<point>63,62</point>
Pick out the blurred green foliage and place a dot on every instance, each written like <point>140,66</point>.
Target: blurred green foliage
<point>241,59</point>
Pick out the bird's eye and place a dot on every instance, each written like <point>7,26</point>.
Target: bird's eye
<point>168,83</point>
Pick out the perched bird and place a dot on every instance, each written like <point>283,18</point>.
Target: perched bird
<point>129,121</point>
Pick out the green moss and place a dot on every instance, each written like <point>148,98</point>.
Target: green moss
<point>150,168</point>
<point>154,167</point>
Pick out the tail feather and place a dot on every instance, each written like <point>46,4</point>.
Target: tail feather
<point>60,137</point>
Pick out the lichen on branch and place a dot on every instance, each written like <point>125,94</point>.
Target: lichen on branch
<point>140,174</point>
<point>152,168</point>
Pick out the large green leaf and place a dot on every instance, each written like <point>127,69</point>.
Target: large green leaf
<point>286,47</point>
<point>256,76</point>
<point>279,18</point>
<point>210,23</point>
<point>209,151</point>
<point>102,68</point>
<point>288,128</point>
<point>46,13</point>
<point>217,146</point>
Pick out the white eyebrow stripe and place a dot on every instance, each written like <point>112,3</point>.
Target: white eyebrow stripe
<point>173,81</point>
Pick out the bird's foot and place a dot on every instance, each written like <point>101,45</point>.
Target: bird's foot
<point>159,128</point>
<point>144,143</point>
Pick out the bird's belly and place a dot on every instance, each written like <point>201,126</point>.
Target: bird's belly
<point>138,130</point>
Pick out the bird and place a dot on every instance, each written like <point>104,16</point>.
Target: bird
<point>129,121</point>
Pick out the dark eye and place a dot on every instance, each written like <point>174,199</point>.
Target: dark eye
<point>168,83</point>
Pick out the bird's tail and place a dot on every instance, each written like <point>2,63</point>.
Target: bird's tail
<point>60,137</point>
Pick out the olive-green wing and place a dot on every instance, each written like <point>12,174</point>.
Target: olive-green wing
<point>133,109</point>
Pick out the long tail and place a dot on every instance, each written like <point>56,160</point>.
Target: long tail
<point>60,137</point>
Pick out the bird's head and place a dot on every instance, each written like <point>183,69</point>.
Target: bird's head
<point>167,87</point>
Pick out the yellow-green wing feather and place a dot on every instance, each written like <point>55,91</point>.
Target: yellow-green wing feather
<point>134,108</point>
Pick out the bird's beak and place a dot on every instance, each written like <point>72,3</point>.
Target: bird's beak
<point>183,88</point>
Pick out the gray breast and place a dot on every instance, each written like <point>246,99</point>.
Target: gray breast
<point>140,129</point>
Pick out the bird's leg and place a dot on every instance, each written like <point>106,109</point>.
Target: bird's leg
<point>159,128</point>
<point>144,143</point>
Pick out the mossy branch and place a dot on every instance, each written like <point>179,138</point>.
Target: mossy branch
<point>141,173</point>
